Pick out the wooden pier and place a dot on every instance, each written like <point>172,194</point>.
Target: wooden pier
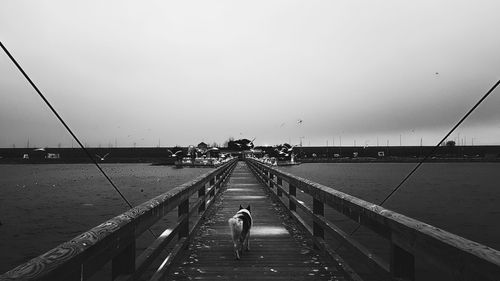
<point>293,238</point>
<point>277,250</point>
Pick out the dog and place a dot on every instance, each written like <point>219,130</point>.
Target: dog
<point>240,225</point>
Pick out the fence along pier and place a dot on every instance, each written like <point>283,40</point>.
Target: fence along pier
<point>198,245</point>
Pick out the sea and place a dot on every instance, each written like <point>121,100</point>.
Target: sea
<point>44,205</point>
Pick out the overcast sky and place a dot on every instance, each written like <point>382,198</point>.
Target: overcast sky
<point>181,72</point>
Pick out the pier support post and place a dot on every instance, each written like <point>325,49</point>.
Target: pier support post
<point>183,209</point>
<point>279,186</point>
<point>319,210</point>
<point>201,194</point>
<point>402,263</point>
<point>292,190</point>
<point>124,263</point>
<point>212,181</point>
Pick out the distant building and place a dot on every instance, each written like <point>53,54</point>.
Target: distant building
<point>202,146</point>
<point>52,156</point>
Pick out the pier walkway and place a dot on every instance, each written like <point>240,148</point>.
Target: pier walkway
<point>278,251</point>
<point>296,236</point>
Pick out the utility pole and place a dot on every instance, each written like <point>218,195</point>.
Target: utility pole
<point>340,146</point>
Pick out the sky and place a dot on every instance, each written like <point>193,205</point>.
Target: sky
<point>150,73</point>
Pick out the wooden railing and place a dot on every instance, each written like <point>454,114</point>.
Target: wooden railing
<point>408,238</point>
<point>115,239</point>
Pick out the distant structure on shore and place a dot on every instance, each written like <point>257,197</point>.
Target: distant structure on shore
<point>240,148</point>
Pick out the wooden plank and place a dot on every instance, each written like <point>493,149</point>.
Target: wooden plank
<point>79,255</point>
<point>454,253</point>
<point>169,260</point>
<point>277,251</point>
<point>152,252</point>
<point>124,263</point>
<point>371,259</point>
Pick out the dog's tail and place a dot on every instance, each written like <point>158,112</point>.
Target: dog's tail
<point>236,226</point>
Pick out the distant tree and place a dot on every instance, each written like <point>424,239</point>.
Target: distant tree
<point>226,143</point>
<point>450,143</point>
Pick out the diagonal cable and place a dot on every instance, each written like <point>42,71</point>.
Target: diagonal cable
<point>432,151</point>
<point>66,126</point>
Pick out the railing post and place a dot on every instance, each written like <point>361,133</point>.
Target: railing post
<point>217,179</point>
<point>318,210</point>
<point>271,176</point>
<point>292,190</point>
<point>183,209</point>
<point>201,194</point>
<point>279,186</point>
<point>212,182</point>
<point>402,263</point>
<point>124,263</point>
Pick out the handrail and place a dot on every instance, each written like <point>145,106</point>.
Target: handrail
<point>463,258</point>
<point>114,240</point>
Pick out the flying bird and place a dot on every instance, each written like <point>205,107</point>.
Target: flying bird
<point>102,158</point>
<point>299,121</point>
<point>250,144</point>
<point>288,147</point>
<point>176,154</point>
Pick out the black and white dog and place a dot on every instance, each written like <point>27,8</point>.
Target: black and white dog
<point>240,225</point>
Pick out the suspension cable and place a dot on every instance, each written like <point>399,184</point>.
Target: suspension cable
<point>67,128</point>
<point>433,149</point>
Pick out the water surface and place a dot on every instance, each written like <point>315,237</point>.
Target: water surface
<point>463,198</point>
<point>44,205</point>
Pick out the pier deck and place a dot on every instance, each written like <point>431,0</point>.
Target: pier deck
<point>278,251</point>
<point>197,246</point>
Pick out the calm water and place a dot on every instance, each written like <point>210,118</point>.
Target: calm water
<point>42,206</point>
<point>463,198</point>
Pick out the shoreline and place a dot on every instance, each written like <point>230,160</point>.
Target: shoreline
<point>399,160</point>
<point>155,162</point>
